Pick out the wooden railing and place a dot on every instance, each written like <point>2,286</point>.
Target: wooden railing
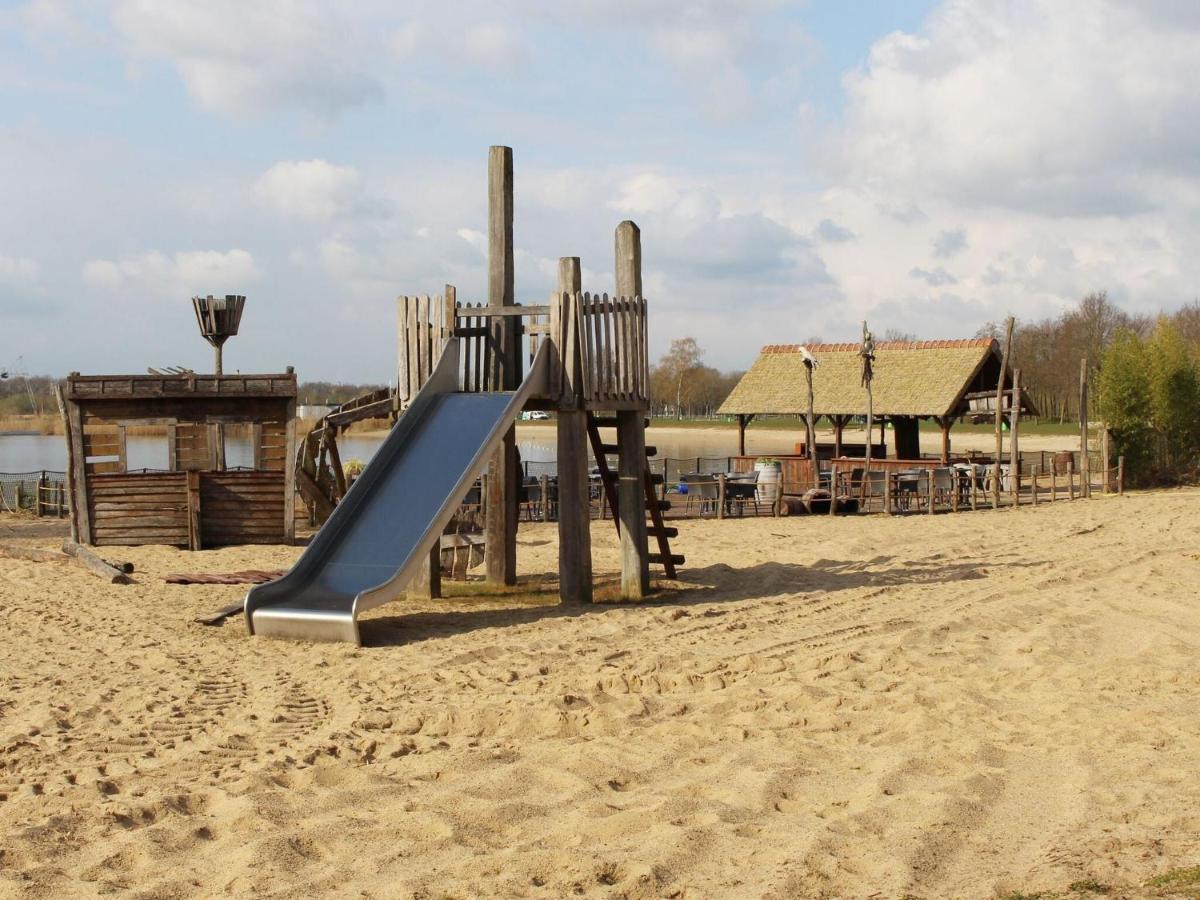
<point>425,325</point>
<point>604,363</point>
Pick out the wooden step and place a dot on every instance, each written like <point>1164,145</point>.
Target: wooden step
<point>655,477</point>
<point>666,531</point>
<point>658,559</point>
<point>612,422</point>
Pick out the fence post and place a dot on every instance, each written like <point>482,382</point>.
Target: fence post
<point>929,480</point>
<point>1034,479</point>
<point>1120,475</point>
<point>544,484</point>
<point>887,491</point>
<point>974,488</point>
<point>720,495</point>
<point>1071,478</point>
<point>41,487</point>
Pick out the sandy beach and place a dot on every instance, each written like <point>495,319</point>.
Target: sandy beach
<point>965,705</point>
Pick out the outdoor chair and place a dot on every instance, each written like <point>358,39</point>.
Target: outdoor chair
<point>873,487</point>
<point>943,484</point>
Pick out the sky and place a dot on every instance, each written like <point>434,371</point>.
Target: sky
<point>795,167</point>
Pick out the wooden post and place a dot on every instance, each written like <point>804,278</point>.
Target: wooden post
<point>839,422</point>
<point>500,527</point>
<point>1071,478</point>
<point>289,474</point>
<point>954,490</point>
<point>631,439</point>
<point>810,422</point>
<point>1105,462</point>
<point>974,490</point>
<point>81,526</point>
<point>1053,480</point>
<point>743,421</point>
<point>945,422</point>
<point>427,584</point>
<point>1034,478</point>
<point>195,541</point>
<point>1085,465</point>
<point>544,488</point>
<point>1120,475</point>
<point>720,495</point>
<point>41,487</point>
<point>1014,450</point>
<point>887,491</point>
<point>1008,332</point>
<point>833,474</point>
<point>929,473</point>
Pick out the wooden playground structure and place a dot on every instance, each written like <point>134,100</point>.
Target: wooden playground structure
<point>193,500</point>
<point>596,383</point>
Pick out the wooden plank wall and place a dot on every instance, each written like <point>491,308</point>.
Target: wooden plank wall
<point>614,358</point>
<point>272,446</point>
<point>241,508</point>
<point>102,450</point>
<point>141,508</point>
<point>479,363</point>
<point>425,325</point>
<point>192,449</point>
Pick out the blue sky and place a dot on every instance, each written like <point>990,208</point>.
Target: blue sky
<point>795,167</point>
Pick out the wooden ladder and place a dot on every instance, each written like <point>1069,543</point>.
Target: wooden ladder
<point>655,507</point>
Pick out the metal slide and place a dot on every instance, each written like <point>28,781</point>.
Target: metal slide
<point>373,544</point>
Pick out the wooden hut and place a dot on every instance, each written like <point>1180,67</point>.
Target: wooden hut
<point>188,496</point>
<point>937,380</point>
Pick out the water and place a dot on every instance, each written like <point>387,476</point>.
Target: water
<point>33,452</point>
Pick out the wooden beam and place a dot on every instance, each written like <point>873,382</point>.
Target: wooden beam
<point>500,517</point>
<point>1014,440</point>
<point>945,422</point>
<point>94,564</point>
<point>1085,464</point>
<point>631,436</point>
<point>289,475</point>
<point>574,505</point>
<point>81,517</point>
<point>497,311</point>
<point>1008,332</point>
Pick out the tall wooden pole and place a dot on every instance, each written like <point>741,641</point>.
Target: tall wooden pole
<point>574,508</point>
<point>631,440</point>
<point>810,422</point>
<point>1008,332</point>
<point>500,517</point>
<point>868,355</point>
<point>1014,431</point>
<point>1085,464</point>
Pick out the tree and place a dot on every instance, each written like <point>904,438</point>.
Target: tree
<point>683,357</point>
<point>1124,402</point>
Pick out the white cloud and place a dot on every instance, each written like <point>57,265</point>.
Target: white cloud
<point>313,190</point>
<point>496,46</point>
<point>181,274</point>
<point>1057,108</point>
<point>950,242</point>
<point>17,270</point>
<point>246,58</point>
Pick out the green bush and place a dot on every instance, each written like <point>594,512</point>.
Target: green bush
<point>1150,398</point>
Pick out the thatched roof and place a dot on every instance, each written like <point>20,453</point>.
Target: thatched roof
<point>912,378</point>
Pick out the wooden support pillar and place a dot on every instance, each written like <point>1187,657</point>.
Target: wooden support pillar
<point>839,423</point>
<point>1105,461</point>
<point>743,421</point>
<point>1120,474</point>
<point>500,525</point>
<point>289,472</point>
<point>945,422</point>
<point>1034,478</point>
<point>81,525</point>
<point>194,518</point>
<point>1014,440</point>
<point>631,439</point>
<point>574,506</point>
<point>1085,464</point>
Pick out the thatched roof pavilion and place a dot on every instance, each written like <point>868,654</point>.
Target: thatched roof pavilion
<point>914,380</point>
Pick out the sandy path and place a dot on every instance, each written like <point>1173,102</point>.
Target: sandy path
<point>955,706</point>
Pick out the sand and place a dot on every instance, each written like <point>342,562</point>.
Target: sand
<point>965,705</point>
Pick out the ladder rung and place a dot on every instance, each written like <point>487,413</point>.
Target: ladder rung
<point>651,450</point>
<point>663,505</point>
<point>609,448</point>
<point>612,422</point>
<point>658,559</point>
<point>667,531</point>
<point>655,477</point>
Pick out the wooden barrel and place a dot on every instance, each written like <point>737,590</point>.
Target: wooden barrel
<point>769,472</point>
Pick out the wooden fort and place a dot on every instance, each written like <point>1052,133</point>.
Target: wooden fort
<point>183,493</point>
